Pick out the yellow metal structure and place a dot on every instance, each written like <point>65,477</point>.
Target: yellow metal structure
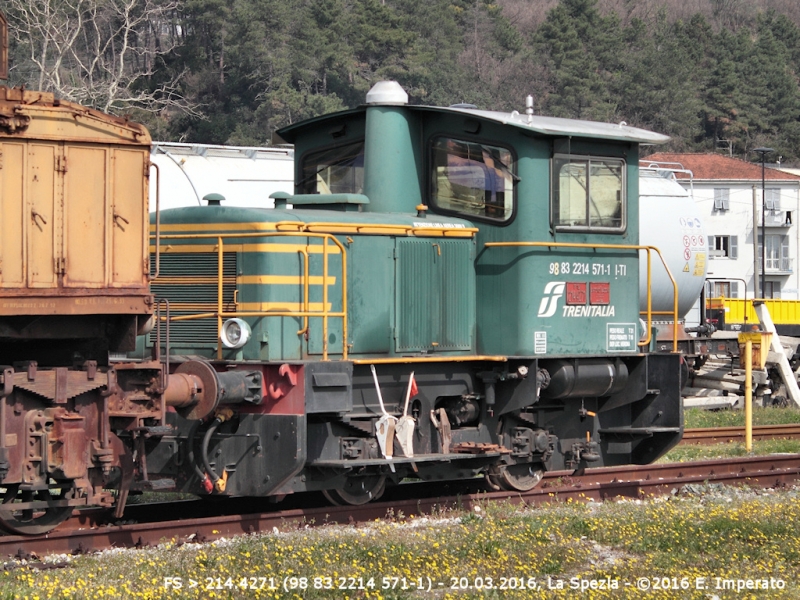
<point>73,195</point>
<point>748,394</point>
<point>759,343</point>
<point>330,245</point>
<point>330,227</point>
<point>172,238</point>
<point>739,310</point>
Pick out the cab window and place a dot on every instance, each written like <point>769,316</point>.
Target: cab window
<point>588,193</point>
<point>337,170</point>
<point>472,179</point>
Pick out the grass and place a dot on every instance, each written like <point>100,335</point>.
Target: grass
<point>696,417</point>
<point>676,545</point>
<point>690,452</point>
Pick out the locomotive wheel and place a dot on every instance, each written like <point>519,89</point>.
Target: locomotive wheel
<point>32,521</point>
<point>357,491</point>
<point>515,478</point>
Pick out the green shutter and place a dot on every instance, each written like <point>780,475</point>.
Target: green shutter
<point>417,308</point>
<point>435,307</point>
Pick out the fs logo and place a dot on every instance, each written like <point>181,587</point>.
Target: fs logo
<point>552,292</point>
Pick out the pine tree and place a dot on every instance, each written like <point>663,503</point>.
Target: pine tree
<point>580,49</point>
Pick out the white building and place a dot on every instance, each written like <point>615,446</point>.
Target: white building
<point>246,176</point>
<point>726,191</point>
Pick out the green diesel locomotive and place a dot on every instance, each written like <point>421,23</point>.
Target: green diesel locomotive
<point>448,293</point>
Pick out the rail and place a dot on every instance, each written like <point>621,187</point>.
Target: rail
<point>325,314</point>
<point>90,529</point>
<point>649,312</point>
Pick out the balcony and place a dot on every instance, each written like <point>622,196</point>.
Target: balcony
<point>778,266</point>
<point>776,218</point>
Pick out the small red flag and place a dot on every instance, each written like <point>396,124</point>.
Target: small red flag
<point>413,386</point>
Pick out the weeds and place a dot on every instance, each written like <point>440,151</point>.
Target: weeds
<point>690,452</point>
<point>696,417</point>
<point>726,533</point>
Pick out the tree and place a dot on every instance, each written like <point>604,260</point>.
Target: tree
<point>580,49</point>
<point>658,83</point>
<point>101,53</point>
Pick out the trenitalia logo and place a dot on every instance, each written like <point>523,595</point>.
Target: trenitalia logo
<point>552,292</point>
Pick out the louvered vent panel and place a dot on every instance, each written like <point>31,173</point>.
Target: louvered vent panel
<point>187,264</point>
<point>189,282</point>
<point>458,295</point>
<point>415,295</point>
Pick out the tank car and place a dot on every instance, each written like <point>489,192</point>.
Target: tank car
<point>448,293</point>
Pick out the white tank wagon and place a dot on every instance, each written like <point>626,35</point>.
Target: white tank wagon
<point>670,220</point>
<point>244,176</point>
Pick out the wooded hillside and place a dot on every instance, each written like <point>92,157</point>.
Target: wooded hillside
<point>710,73</point>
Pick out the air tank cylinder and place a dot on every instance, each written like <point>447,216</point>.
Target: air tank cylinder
<point>585,377</point>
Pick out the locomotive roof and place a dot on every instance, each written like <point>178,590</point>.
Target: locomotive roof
<point>558,127</point>
<point>549,126</point>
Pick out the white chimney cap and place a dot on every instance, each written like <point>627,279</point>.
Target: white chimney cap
<point>387,92</point>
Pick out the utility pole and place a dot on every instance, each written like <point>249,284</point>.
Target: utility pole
<point>763,152</point>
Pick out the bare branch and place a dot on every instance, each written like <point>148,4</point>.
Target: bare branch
<point>99,52</point>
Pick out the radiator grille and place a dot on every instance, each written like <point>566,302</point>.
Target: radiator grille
<point>435,295</point>
<point>189,281</point>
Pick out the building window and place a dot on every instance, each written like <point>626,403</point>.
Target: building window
<point>724,246</point>
<point>723,289</point>
<point>588,193</point>
<point>772,289</point>
<point>722,198</point>
<point>772,199</point>
<point>777,254</point>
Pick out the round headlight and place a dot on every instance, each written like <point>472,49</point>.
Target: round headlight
<point>235,333</point>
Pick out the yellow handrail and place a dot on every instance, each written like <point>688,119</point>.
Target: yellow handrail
<point>377,228</point>
<point>649,312</point>
<point>220,277</point>
<point>324,314</point>
<point>304,253</point>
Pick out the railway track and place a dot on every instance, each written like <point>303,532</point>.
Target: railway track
<point>716,435</point>
<point>86,530</point>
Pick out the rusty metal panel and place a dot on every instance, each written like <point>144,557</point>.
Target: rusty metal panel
<point>12,248</point>
<point>81,301</point>
<point>130,221</point>
<point>85,215</point>
<point>36,116</point>
<point>67,445</point>
<point>73,200</point>
<point>40,222</point>
<point>59,385</point>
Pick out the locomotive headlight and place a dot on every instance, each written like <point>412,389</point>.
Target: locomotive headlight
<point>234,333</point>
